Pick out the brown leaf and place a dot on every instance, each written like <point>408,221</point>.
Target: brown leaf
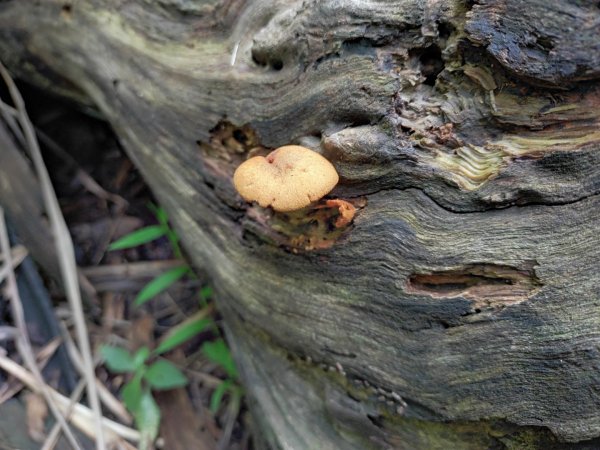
<point>181,427</point>
<point>37,411</point>
<point>141,332</point>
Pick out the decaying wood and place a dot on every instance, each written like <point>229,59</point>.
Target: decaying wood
<point>21,196</point>
<point>459,308</point>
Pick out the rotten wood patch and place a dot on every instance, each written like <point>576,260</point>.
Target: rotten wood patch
<point>486,285</point>
<point>316,227</point>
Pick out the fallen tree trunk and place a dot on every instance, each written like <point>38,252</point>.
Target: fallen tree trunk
<point>459,308</point>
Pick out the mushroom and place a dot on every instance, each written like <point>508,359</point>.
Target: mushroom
<point>287,179</point>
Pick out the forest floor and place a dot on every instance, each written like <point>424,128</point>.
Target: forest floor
<point>103,198</point>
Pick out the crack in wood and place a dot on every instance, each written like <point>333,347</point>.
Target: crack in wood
<point>486,285</point>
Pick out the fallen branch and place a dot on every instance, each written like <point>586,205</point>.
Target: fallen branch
<point>22,341</point>
<point>65,251</point>
<point>82,416</point>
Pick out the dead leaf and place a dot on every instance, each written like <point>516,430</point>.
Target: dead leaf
<point>142,331</point>
<point>37,411</point>
<point>181,426</point>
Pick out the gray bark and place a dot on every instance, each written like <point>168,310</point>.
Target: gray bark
<point>460,308</point>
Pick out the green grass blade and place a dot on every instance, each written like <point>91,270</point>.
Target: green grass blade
<point>139,237</point>
<point>217,396</point>
<point>159,212</point>
<point>163,219</point>
<point>218,352</point>
<point>206,293</point>
<point>174,241</point>
<point>160,283</point>
<point>181,333</point>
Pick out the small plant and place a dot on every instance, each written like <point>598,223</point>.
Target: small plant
<point>149,234</point>
<point>146,376</point>
<point>161,374</point>
<point>218,352</point>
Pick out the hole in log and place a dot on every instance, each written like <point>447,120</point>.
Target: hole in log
<point>431,62</point>
<point>258,60</point>
<point>375,420</point>
<point>261,58</point>
<point>240,136</point>
<point>277,64</point>
<point>487,285</point>
<point>66,11</point>
<point>445,30</point>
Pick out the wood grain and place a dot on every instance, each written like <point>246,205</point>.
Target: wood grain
<point>472,149</point>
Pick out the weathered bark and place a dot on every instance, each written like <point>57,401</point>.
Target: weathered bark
<point>460,308</point>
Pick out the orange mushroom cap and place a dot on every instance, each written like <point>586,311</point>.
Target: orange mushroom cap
<point>287,179</point>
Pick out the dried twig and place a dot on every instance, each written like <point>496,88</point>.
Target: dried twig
<point>208,380</point>
<point>54,434</point>
<point>128,276</point>
<point>82,417</point>
<point>17,254</point>
<point>114,405</point>
<point>9,114</point>
<point>22,341</point>
<point>13,387</point>
<point>232,413</point>
<point>65,251</point>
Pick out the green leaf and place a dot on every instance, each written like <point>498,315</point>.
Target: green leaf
<point>140,357</point>
<point>139,237</point>
<point>117,359</point>
<point>206,293</point>
<point>132,394</point>
<point>181,333</point>
<point>160,213</point>
<point>218,352</point>
<point>163,219</point>
<point>217,396</point>
<point>160,283</point>
<point>174,241</point>
<point>147,417</point>
<point>164,375</point>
